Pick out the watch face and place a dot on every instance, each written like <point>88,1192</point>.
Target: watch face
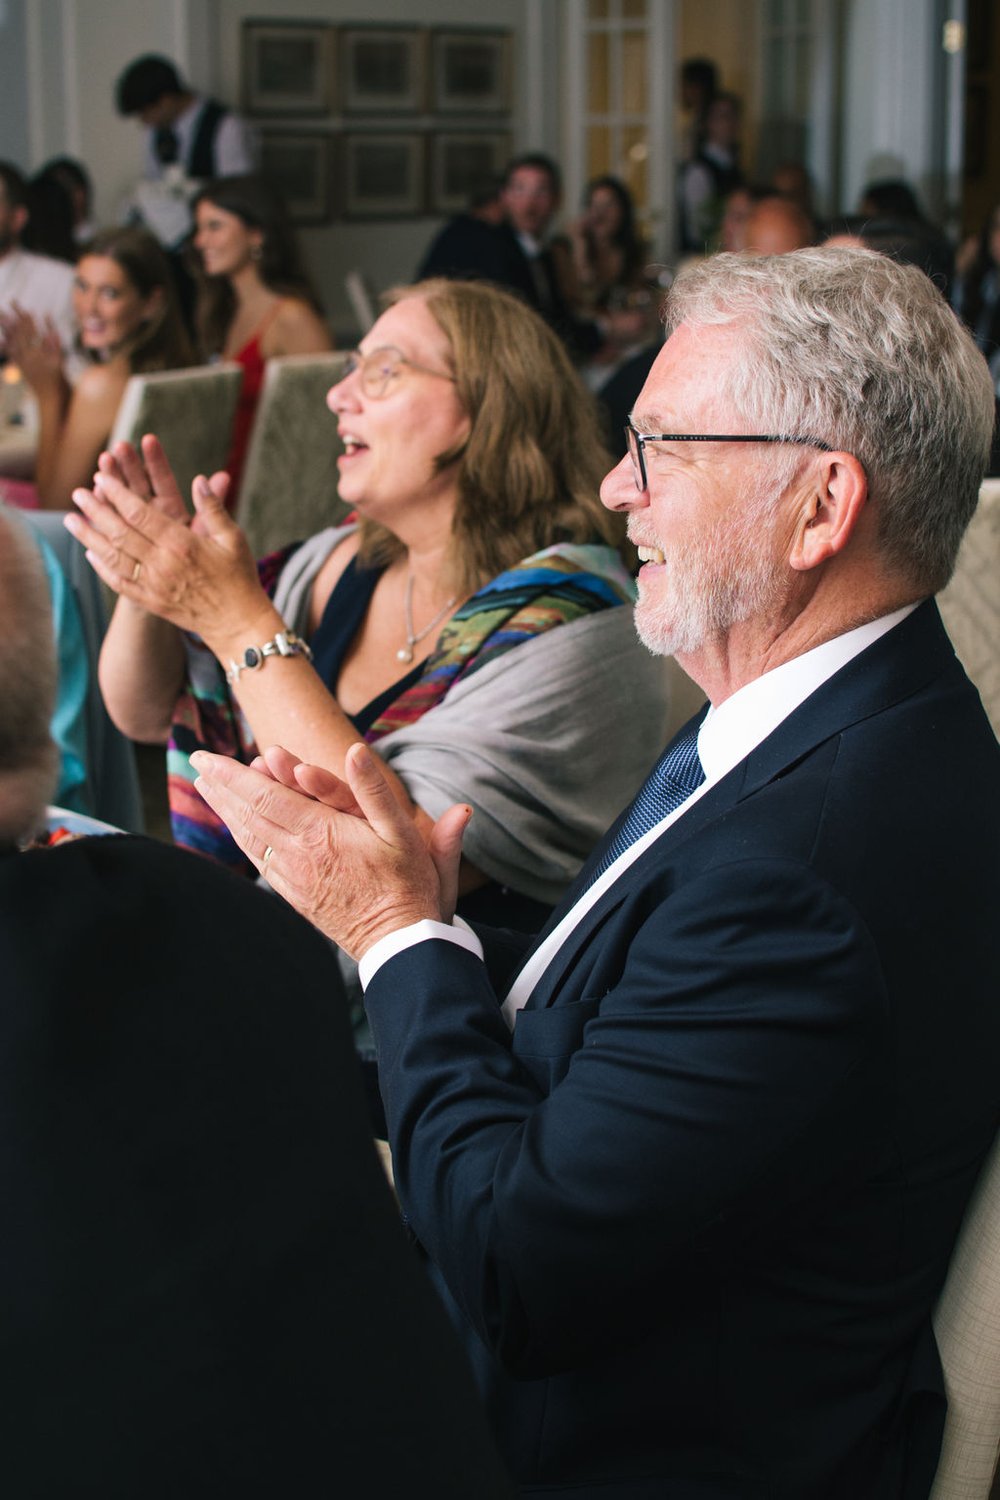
<point>252,658</point>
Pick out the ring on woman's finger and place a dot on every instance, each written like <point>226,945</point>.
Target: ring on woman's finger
<point>136,570</point>
<point>267,855</point>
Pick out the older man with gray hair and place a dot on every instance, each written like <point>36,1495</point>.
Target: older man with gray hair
<point>691,1165</point>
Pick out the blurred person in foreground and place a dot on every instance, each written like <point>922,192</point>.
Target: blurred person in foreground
<point>207,1290</point>
<point>691,1163</point>
<point>39,285</point>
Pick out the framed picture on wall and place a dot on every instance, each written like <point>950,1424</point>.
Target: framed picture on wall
<point>470,71</point>
<point>300,166</point>
<point>383,69</point>
<point>287,68</point>
<point>461,161</point>
<point>383,175</point>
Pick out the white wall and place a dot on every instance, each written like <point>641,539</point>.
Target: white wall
<point>13,83</point>
<point>892,52</point>
<point>387,252</point>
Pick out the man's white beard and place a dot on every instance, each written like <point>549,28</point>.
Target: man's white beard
<point>708,586</point>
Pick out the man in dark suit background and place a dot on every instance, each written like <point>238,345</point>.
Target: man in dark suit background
<point>205,1287</point>
<point>513,249</point>
<point>692,1165</point>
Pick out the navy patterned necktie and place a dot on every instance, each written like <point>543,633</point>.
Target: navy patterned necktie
<point>671,781</point>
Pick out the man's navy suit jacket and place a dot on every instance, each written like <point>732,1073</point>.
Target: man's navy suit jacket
<point>696,1214</point>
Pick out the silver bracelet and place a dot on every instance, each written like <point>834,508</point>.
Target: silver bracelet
<point>282,643</point>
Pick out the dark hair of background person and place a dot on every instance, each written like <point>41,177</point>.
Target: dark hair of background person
<point>74,177</point>
<point>890,198</point>
<point>973,298</point>
<point>162,343</point>
<point>791,179</point>
<point>626,236</point>
<point>701,72</point>
<point>913,243</point>
<point>540,163</point>
<point>531,468</point>
<point>14,185</point>
<point>259,205</point>
<point>485,193</point>
<point>144,82</point>
<point>49,228</point>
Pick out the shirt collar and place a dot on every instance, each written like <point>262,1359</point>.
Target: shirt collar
<point>730,732</point>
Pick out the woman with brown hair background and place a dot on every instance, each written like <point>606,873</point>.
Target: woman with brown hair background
<point>128,323</point>
<point>254,299</point>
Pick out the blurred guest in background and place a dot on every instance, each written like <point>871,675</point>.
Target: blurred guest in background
<point>75,179</point>
<point>711,174</point>
<point>609,255</point>
<point>36,284</point>
<point>699,84</point>
<point>188,139</point>
<point>470,245</point>
<point>127,321</point>
<point>255,299</point>
<point>976,296</point>
<point>889,198</point>
<point>791,179</point>
<point>777,225</point>
<point>736,211</point>
<point>49,230</point>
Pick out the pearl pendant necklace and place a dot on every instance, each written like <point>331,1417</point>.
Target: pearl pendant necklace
<point>405,653</point>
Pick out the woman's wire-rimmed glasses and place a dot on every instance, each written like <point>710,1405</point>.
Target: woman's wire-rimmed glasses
<point>635,442</point>
<point>379,368</point>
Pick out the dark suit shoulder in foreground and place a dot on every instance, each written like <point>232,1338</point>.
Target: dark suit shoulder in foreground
<point>207,1288</point>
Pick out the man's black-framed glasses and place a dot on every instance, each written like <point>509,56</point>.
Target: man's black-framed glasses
<point>636,441</point>
<point>379,368</point>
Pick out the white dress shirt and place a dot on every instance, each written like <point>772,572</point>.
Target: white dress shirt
<point>727,736</point>
<point>43,287</point>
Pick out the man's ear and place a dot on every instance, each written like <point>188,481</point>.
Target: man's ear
<point>19,219</point>
<point>830,508</point>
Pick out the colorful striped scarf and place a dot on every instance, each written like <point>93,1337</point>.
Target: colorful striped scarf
<point>556,586</point>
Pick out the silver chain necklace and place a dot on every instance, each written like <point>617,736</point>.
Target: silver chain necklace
<point>405,653</point>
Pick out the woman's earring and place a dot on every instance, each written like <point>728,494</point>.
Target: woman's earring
<point>256,252</point>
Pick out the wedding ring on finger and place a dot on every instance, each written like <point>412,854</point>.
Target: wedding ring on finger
<point>267,855</point>
<point>136,570</point>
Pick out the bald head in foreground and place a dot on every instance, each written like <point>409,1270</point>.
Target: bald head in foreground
<point>206,1288</point>
<point>691,1165</point>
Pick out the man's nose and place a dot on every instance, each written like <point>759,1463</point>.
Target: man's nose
<point>618,491</point>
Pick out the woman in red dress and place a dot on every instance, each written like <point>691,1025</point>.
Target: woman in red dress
<point>255,300</point>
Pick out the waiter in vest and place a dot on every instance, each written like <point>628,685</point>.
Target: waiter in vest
<point>188,139</point>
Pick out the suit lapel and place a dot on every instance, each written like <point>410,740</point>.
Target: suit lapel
<point>895,666</point>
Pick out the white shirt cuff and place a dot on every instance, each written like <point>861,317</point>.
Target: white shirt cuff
<point>459,933</point>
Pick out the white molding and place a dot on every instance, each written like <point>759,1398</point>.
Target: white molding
<point>536,55</point>
<point>663,53</point>
<point>70,79</point>
<point>574,103</point>
<point>34,62</point>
